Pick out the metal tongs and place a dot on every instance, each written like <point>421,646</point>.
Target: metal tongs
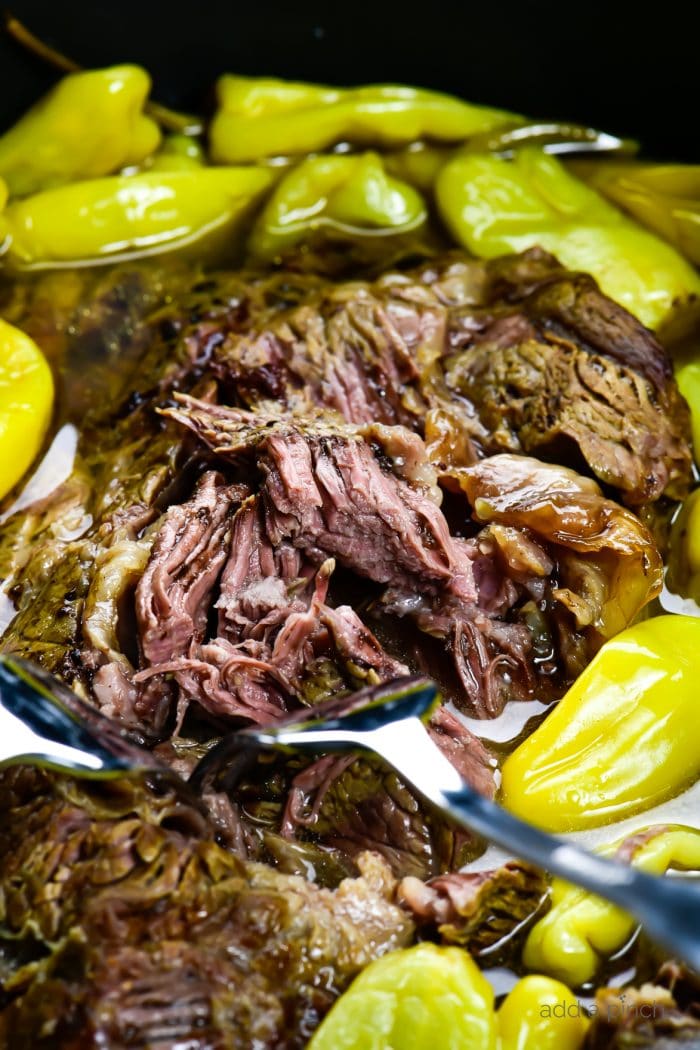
<point>42,722</point>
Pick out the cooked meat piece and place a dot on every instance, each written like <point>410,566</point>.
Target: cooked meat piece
<point>480,910</point>
<point>351,804</point>
<point>647,1018</point>
<point>140,931</point>
<point>608,565</point>
<point>524,355</point>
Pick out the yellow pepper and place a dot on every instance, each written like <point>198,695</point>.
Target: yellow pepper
<point>581,930</point>
<point>128,216</point>
<point>415,999</point>
<point>262,118</point>
<point>89,124</point>
<point>619,741</point>
<point>683,576</point>
<point>541,1014</point>
<point>664,197</point>
<point>26,400</point>
<point>493,206</point>
<point>688,379</point>
<point>350,194</point>
<point>4,194</point>
<point>177,153</point>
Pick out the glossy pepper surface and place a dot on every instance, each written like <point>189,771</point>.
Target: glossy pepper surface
<point>415,999</point>
<point>129,216</point>
<point>581,930</point>
<point>665,197</point>
<point>351,194</point>
<point>177,153</point>
<point>683,576</point>
<point>688,379</point>
<point>494,206</point>
<point>619,741</point>
<point>26,401</point>
<point>541,1014</point>
<point>90,124</point>
<point>260,118</point>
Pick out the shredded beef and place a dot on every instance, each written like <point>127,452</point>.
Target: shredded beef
<point>525,357</point>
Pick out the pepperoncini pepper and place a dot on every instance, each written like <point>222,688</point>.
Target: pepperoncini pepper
<point>128,216</point>
<point>351,194</point>
<point>541,1014</point>
<point>176,153</point>
<point>414,999</point>
<point>492,206</point>
<point>581,930</point>
<point>683,576</point>
<point>618,742</point>
<point>688,379</point>
<point>664,197</point>
<point>428,996</point>
<point>260,118</point>
<point>90,124</point>
<point>26,401</point>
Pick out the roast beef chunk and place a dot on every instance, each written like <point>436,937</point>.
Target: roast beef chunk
<point>525,357</point>
<point>276,640</point>
<point>481,910</point>
<point>350,804</point>
<point>141,931</point>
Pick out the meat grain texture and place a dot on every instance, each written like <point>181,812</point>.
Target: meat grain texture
<point>287,489</point>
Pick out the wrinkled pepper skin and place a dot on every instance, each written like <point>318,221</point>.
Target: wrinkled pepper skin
<point>90,124</point>
<point>26,402</point>
<point>581,930</point>
<point>415,999</point>
<point>541,1014</point>
<point>619,741</point>
<point>493,206</point>
<point>260,118</point>
<point>664,197</point>
<point>352,194</point>
<point>129,216</point>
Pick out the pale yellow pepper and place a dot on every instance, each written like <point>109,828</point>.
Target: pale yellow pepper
<point>683,575</point>
<point>176,153</point>
<point>581,930</point>
<point>90,124</point>
<point>26,401</point>
<point>541,1014</point>
<point>348,194</point>
<point>415,999</point>
<point>688,379</point>
<point>130,216</point>
<point>620,740</point>
<point>493,206</point>
<point>260,118</point>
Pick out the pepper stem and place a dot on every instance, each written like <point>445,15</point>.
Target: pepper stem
<point>168,119</point>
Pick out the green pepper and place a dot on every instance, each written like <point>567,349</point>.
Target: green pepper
<point>664,197</point>
<point>581,930</point>
<point>4,194</point>
<point>176,153</point>
<point>493,206</point>
<point>541,1014</point>
<point>683,576</point>
<point>262,118</point>
<point>128,216</point>
<point>89,124</point>
<point>415,999</point>
<point>351,194</point>
<point>688,379</point>
<point>618,742</point>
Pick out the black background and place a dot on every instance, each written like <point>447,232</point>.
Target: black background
<point>611,65</point>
